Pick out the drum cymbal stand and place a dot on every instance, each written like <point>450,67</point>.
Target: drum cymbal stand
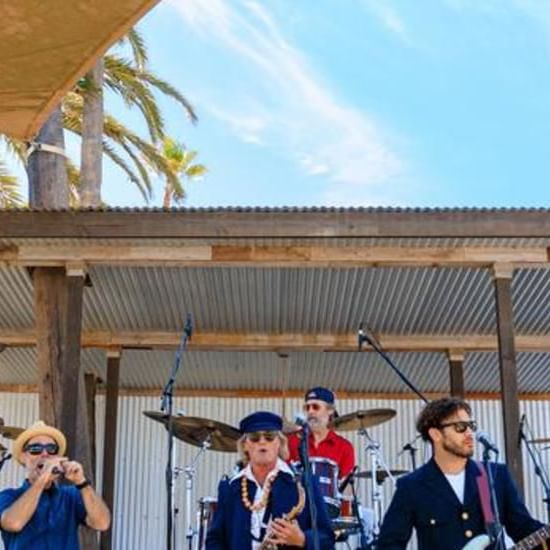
<point>377,463</point>
<point>189,472</point>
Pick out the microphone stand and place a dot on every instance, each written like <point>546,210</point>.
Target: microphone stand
<point>497,532</point>
<point>363,336</point>
<point>539,469</point>
<point>308,482</point>
<point>167,407</point>
<point>355,509</point>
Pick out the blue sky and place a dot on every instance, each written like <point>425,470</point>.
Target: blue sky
<point>356,102</point>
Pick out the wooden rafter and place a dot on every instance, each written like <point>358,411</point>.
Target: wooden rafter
<point>263,341</point>
<point>71,255</point>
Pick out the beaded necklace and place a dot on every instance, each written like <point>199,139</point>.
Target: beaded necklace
<point>262,503</point>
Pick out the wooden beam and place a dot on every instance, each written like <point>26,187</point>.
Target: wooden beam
<point>284,223</point>
<point>109,447</point>
<point>508,377</point>
<point>243,393</point>
<point>188,254</point>
<point>290,341</point>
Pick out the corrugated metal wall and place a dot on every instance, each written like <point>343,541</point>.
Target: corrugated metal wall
<point>139,516</point>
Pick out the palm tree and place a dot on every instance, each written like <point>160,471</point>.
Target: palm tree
<point>180,161</point>
<point>9,190</point>
<point>102,134</point>
<point>132,80</point>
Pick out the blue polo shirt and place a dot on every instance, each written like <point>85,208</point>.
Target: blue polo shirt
<point>54,524</point>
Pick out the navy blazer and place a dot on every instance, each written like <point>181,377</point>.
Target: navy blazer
<point>424,500</point>
<point>230,529</point>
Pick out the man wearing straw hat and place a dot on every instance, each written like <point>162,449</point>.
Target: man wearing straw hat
<point>41,513</point>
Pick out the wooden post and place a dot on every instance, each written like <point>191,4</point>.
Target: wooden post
<point>508,370</point>
<point>58,310</point>
<point>62,394</point>
<point>91,391</point>
<point>456,372</point>
<point>109,445</point>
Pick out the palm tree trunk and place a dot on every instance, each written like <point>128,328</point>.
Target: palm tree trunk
<point>167,199</point>
<point>92,136</point>
<point>48,184</point>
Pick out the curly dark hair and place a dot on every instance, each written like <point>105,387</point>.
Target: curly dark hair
<point>435,413</point>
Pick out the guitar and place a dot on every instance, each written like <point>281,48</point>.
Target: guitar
<point>529,542</point>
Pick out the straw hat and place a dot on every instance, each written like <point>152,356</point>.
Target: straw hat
<point>38,428</point>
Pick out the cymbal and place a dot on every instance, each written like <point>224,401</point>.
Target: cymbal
<point>540,440</point>
<point>381,475</point>
<point>195,431</point>
<point>11,432</point>
<point>361,419</point>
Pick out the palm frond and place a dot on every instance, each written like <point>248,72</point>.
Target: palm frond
<point>139,50</point>
<point>10,197</point>
<point>169,90</point>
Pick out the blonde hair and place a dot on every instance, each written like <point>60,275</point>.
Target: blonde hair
<point>283,449</point>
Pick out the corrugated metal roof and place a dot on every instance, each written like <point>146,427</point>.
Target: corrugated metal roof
<point>266,371</point>
<point>402,301</point>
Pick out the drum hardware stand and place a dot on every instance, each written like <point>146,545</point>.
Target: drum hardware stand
<point>189,472</point>
<point>534,453</point>
<point>377,463</point>
<point>355,510</point>
<point>167,408</point>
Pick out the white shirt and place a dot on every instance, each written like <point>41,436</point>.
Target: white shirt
<point>257,517</point>
<point>457,482</point>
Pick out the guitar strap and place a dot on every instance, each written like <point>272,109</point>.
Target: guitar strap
<point>485,498</point>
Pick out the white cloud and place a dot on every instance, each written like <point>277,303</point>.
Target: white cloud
<point>292,110</point>
<point>389,17</point>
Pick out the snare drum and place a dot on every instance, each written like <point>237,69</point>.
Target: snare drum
<point>205,515</point>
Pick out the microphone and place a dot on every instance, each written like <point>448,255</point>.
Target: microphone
<point>188,328</point>
<point>360,337</point>
<point>300,420</point>
<point>347,480</point>
<point>485,440</point>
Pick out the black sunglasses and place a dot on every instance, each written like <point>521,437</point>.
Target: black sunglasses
<point>256,436</point>
<point>39,448</point>
<point>460,426</point>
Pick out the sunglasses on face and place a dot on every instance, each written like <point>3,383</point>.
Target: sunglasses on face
<point>256,436</point>
<point>312,406</point>
<point>39,448</point>
<point>461,426</point>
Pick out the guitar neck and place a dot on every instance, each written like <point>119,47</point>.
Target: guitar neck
<point>534,539</point>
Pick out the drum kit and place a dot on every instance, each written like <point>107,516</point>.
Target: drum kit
<point>350,520</point>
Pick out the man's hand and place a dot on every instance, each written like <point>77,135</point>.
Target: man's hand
<point>287,532</point>
<point>74,472</point>
<point>48,470</point>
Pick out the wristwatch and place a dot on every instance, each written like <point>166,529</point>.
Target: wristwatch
<point>85,483</point>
